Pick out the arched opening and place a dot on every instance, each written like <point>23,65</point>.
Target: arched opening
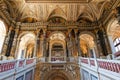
<point>87,45</point>
<point>57,47</point>
<point>2,34</point>
<point>58,78</point>
<point>56,19</point>
<point>26,46</point>
<point>57,75</point>
<point>57,16</point>
<point>114,37</point>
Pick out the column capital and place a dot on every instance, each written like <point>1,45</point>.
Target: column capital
<point>11,28</point>
<point>13,24</point>
<point>38,30</point>
<point>69,30</point>
<point>17,30</point>
<point>44,30</point>
<point>18,24</point>
<point>76,31</point>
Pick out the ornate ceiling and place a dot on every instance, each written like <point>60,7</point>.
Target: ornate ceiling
<point>58,11</point>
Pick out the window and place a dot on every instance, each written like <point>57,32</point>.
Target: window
<point>2,34</point>
<point>117,44</point>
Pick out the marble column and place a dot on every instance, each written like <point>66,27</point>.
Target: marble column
<point>111,44</point>
<point>77,44</point>
<point>10,40</point>
<point>15,39</point>
<point>103,42</point>
<point>94,54</point>
<point>78,47</point>
<point>108,45</point>
<point>36,43</point>
<point>99,48</point>
<point>69,42</point>
<point>48,48</point>
<point>17,48</point>
<point>96,51</point>
<point>42,47</point>
<point>4,49</point>
<point>44,42</point>
<point>67,51</point>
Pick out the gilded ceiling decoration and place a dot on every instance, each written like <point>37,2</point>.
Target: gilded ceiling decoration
<point>113,29</point>
<point>55,11</point>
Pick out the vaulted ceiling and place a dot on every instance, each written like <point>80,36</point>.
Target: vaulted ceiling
<point>58,11</point>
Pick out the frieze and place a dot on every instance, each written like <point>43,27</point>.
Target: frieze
<point>53,26</point>
<point>56,1</point>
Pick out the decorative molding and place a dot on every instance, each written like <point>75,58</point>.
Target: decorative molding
<point>54,26</point>
<point>56,1</point>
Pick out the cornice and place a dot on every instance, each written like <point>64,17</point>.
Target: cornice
<point>54,26</point>
<point>56,1</point>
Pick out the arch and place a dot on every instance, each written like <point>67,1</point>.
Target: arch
<point>85,18</point>
<point>26,45</point>
<point>26,32</point>
<point>57,41</point>
<point>112,28</point>
<point>57,37</point>
<point>63,74</point>
<point>113,35</point>
<point>29,19</point>
<point>87,44</point>
<point>2,34</point>
<point>57,12</point>
<point>57,32</point>
<point>87,32</point>
<point>58,53</point>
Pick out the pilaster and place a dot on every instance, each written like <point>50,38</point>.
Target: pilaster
<point>15,40</point>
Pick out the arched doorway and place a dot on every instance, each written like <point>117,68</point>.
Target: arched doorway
<point>26,46</point>
<point>87,45</point>
<point>58,78</point>
<point>57,75</point>
<point>57,51</point>
<point>113,32</point>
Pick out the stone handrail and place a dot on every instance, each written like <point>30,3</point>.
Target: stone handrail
<point>102,66</point>
<point>8,65</point>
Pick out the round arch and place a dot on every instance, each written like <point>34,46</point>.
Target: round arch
<point>57,46</point>
<point>88,44</point>
<point>62,75</point>
<point>26,45</point>
<point>24,33</point>
<point>114,35</point>
<point>87,32</point>
<point>113,28</point>
<point>57,32</point>
<point>57,11</point>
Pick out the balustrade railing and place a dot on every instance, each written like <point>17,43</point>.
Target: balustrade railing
<point>102,66</point>
<point>110,65</point>
<point>8,65</point>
